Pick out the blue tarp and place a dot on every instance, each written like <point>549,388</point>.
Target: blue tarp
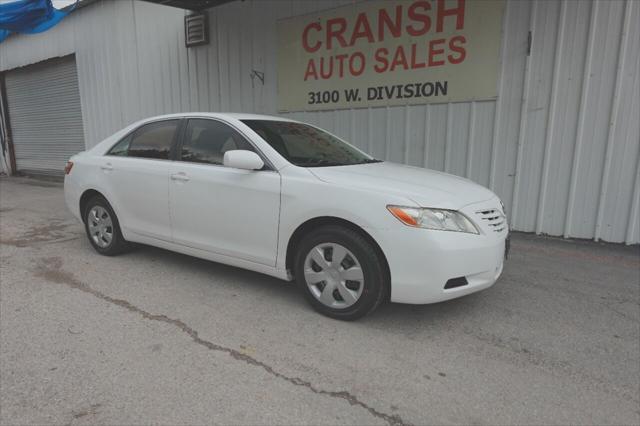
<point>28,16</point>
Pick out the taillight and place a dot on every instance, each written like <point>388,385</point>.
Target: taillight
<point>68,167</point>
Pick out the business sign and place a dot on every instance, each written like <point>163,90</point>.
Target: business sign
<point>390,52</point>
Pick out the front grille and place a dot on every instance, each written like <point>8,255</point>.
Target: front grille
<point>494,218</point>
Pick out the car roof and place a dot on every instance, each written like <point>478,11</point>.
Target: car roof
<point>102,147</point>
<point>221,115</point>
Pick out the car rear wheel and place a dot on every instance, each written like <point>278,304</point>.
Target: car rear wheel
<point>102,227</point>
<point>341,272</point>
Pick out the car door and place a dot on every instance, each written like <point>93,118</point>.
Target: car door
<point>136,174</point>
<point>220,209</point>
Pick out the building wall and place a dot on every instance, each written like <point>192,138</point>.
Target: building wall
<point>560,146</point>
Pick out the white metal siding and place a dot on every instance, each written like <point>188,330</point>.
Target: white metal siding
<point>44,115</point>
<point>560,146</point>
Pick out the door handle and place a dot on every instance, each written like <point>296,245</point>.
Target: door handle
<point>181,177</point>
<point>107,167</point>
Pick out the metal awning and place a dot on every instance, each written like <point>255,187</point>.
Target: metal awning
<point>191,4</point>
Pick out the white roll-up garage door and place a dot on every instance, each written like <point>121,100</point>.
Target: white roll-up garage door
<point>45,115</point>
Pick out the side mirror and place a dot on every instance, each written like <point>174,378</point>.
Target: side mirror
<point>242,159</point>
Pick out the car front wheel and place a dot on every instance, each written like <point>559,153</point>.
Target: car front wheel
<point>341,272</point>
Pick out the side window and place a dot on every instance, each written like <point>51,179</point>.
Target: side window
<point>206,141</point>
<point>121,149</point>
<point>153,140</point>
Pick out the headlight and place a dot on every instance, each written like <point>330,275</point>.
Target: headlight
<point>438,219</point>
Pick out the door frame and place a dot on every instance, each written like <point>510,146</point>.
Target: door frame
<point>7,139</point>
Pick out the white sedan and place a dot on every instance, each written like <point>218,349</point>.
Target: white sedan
<point>290,200</point>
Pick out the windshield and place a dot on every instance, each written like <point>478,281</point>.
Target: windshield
<point>307,146</point>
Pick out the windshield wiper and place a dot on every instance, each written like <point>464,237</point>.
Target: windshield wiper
<point>328,163</point>
<point>321,163</point>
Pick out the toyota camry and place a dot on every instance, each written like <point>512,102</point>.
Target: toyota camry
<point>288,199</point>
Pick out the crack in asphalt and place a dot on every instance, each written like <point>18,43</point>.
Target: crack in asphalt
<point>51,269</point>
<point>92,410</point>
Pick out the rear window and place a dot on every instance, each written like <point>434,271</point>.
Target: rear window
<point>151,140</point>
<point>121,149</point>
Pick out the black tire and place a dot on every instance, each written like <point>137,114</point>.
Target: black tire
<point>118,244</point>
<point>375,284</point>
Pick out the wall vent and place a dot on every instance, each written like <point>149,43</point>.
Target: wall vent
<point>196,30</point>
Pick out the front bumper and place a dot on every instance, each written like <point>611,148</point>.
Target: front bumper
<point>421,261</point>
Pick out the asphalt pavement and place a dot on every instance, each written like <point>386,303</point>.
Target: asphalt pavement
<point>154,337</point>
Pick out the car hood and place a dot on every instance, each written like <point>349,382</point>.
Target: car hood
<point>427,188</point>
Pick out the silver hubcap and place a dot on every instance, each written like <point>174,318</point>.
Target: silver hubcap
<point>100,226</point>
<point>333,275</point>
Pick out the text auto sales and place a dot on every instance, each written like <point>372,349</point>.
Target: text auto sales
<point>415,19</point>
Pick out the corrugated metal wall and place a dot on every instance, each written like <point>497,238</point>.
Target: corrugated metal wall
<point>561,145</point>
